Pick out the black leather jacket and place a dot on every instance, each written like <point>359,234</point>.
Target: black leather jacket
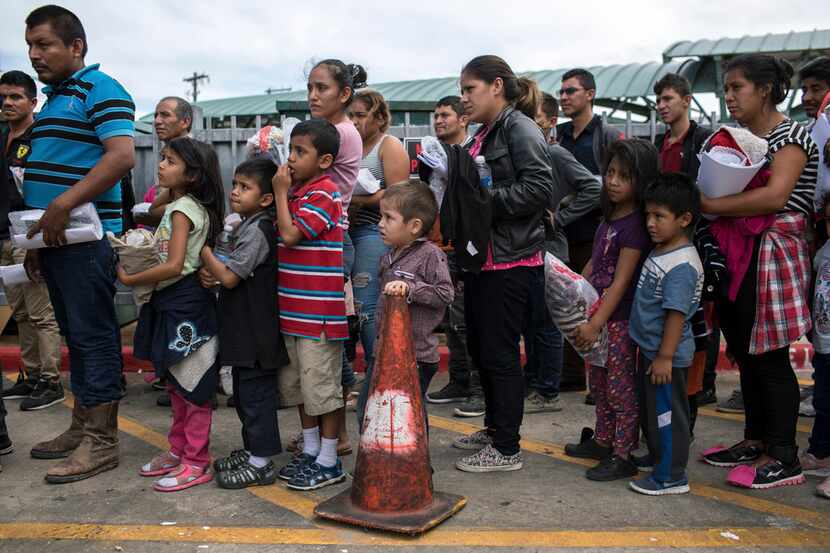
<point>523,185</point>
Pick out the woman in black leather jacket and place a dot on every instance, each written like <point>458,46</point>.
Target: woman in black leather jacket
<point>497,298</point>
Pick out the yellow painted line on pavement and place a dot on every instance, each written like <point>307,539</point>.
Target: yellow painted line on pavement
<point>804,427</point>
<point>805,516</point>
<point>754,503</point>
<point>641,538</point>
<point>300,503</point>
<point>542,448</point>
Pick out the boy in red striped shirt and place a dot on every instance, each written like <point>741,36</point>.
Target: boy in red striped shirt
<point>311,301</point>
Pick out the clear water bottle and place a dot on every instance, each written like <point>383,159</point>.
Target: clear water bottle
<point>485,176</point>
<point>224,244</point>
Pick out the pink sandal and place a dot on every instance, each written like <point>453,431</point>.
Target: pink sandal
<point>160,465</point>
<point>186,476</point>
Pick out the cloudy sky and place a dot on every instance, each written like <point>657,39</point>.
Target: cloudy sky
<point>246,47</point>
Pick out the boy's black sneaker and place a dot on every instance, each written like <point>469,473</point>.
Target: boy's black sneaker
<point>46,393</point>
<point>588,448</point>
<point>237,459</point>
<point>732,457</point>
<point>163,400</point>
<point>450,393</point>
<point>612,468</point>
<point>247,475</point>
<point>22,389</point>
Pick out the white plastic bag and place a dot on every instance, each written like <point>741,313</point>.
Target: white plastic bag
<point>571,300</point>
<point>84,226</point>
<point>433,155</point>
<point>366,184</point>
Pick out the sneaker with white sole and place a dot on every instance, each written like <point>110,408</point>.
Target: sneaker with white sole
<point>771,474</point>
<point>46,393</point>
<point>805,408</point>
<point>451,393</point>
<point>473,442</point>
<point>537,403</point>
<point>473,406</point>
<point>490,459</point>
<point>314,476</point>
<point>648,485</point>
<point>735,403</point>
<point>738,454</point>
<point>823,489</point>
<point>814,466</point>
<point>22,389</point>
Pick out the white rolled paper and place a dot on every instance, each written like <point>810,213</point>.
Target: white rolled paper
<point>84,226</point>
<point>13,275</point>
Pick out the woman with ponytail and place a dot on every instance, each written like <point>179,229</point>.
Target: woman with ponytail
<point>497,298</point>
<point>771,309</point>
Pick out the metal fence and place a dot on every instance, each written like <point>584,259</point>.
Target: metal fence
<point>229,144</point>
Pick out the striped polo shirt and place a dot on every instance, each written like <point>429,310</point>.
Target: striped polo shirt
<point>67,139</point>
<point>310,274</point>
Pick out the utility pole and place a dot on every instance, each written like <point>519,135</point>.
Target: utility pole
<point>194,82</point>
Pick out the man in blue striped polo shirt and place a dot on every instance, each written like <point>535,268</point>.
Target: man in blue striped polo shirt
<point>82,146</point>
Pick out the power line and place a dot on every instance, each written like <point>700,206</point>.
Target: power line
<point>194,82</point>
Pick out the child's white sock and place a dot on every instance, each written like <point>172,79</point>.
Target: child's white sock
<point>328,453</point>
<point>311,441</point>
<point>258,462</point>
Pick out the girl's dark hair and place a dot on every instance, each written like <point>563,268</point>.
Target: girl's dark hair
<point>351,76</point>
<point>762,70</point>
<point>523,93</point>
<point>641,162</point>
<point>202,167</point>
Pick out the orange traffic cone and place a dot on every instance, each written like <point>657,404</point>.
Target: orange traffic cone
<point>392,487</point>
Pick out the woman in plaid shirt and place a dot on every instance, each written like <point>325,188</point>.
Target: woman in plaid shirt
<point>775,288</point>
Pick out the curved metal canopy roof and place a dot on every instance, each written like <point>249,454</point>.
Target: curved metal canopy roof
<point>631,80</point>
<point>818,39</point>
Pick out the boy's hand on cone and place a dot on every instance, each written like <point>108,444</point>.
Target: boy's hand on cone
<point>396,288</point>
<point>660,371</point>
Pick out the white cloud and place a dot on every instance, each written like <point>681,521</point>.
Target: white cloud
<point>247,47</point>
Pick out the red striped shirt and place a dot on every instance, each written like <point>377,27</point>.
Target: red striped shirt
<point>310,274</point>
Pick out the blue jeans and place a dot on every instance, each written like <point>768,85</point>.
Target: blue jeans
<point>544,345</point>
<point>81,283</point>
<point>347,379</point>
<point>820,437</point>
<point>369,248</point>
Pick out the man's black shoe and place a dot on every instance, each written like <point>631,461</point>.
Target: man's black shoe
<point>46,393</point>
<point>22,389</point>
<point>612,468</point>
